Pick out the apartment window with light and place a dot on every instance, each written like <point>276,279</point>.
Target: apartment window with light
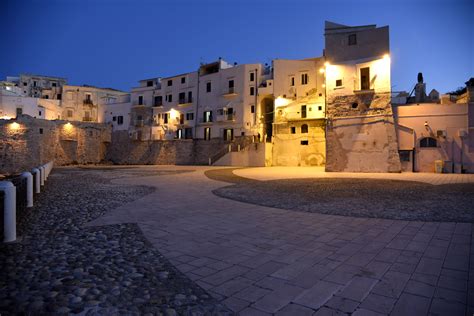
<point>304,78</point>
<point>208,87</point>
<point>252,76</point>
<point>207,116</point>
<point>352,39</point>
<point>170,83</point>
<point>252,90</point>
<point>207,133</point>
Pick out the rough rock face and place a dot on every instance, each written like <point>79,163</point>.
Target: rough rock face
<point>28,142</point>
<point>360,134</point>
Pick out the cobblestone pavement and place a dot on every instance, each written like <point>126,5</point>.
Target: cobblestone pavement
<point>392,199</point>
<point>60,267</point>
<point>259,260</point>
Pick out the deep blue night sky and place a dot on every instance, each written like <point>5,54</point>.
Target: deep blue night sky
<point>116,43</point>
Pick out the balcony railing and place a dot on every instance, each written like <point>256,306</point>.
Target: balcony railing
<point>138,103</point>
<point>88,119</point>
<point>226,117</point>
<point>230,91</point>
<point>88,102</point>
<point>184,101</point>
<point>158,103</point>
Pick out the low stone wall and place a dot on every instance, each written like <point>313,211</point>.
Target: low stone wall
<point>28,142</point>
<point>123,150</point>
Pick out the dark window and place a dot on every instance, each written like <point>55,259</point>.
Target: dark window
<point>252,90</point>
<point>140,100</point>
<point>59,96</point>
<point>365,78</point>
<point>404,155</point>
<point>182,97</point>
<point>188,133</point>
<point>34,83</point>
<point>207,133</point>
<point>190,96</point>
<point>183,79</point>
<point>304,78</point>
<point>19,111</point>
<point>170,98</point>
<point>189,116</point>
<point>46,96</point>
<point>170,83</point>
<point>304,143</point>
<point>252,109</point>
<point>208,87</point>
<point>231,84</point>
<point>252,76</point>
<point>428,142</point>
<point>292,81</point>
<point>41,131</point>
<point>303,111</point>
<point>293,130</point>
<point>39,113</point>
<point>114,118</point>
<point>355,105</point>
<point>353,39</point>
<point>158,100</point>
<point>88,97</point>
<point>69,113</point>
<point>149,83</point>
<point>320,108</point>
<point>25,84</point>
<point>165,118</point>
<point>181,118</point>
<point>53,84</point>
<point>304,129</point>
<point>339,83</point>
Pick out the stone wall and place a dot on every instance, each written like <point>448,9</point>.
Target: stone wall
<point>360,134</point>
<point>27,142</point>
<point>124,150</point>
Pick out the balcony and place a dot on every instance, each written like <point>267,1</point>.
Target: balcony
<point>230,92</point>
<point>138,103</point>
<point>158,104</point>
<point>88,102</point>
<point>139,123</point>
<point>226,117</point>
<point>88,119</point>
<point>184,102</point>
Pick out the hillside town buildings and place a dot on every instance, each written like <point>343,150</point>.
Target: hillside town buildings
<point>335,111</point>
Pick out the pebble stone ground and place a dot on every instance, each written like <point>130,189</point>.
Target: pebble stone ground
<point>60,267</point>
<point>377,198</point>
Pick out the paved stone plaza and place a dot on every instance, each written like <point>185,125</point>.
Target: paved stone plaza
<point>260,260</point>
<point>109,240</point>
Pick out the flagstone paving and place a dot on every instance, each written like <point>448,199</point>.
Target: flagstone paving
<point>259,260</point>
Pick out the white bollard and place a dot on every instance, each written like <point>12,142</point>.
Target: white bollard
<point>41,168</point>
<point>29,188</point>
<point>9,210</point>
<point>37,179</point>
